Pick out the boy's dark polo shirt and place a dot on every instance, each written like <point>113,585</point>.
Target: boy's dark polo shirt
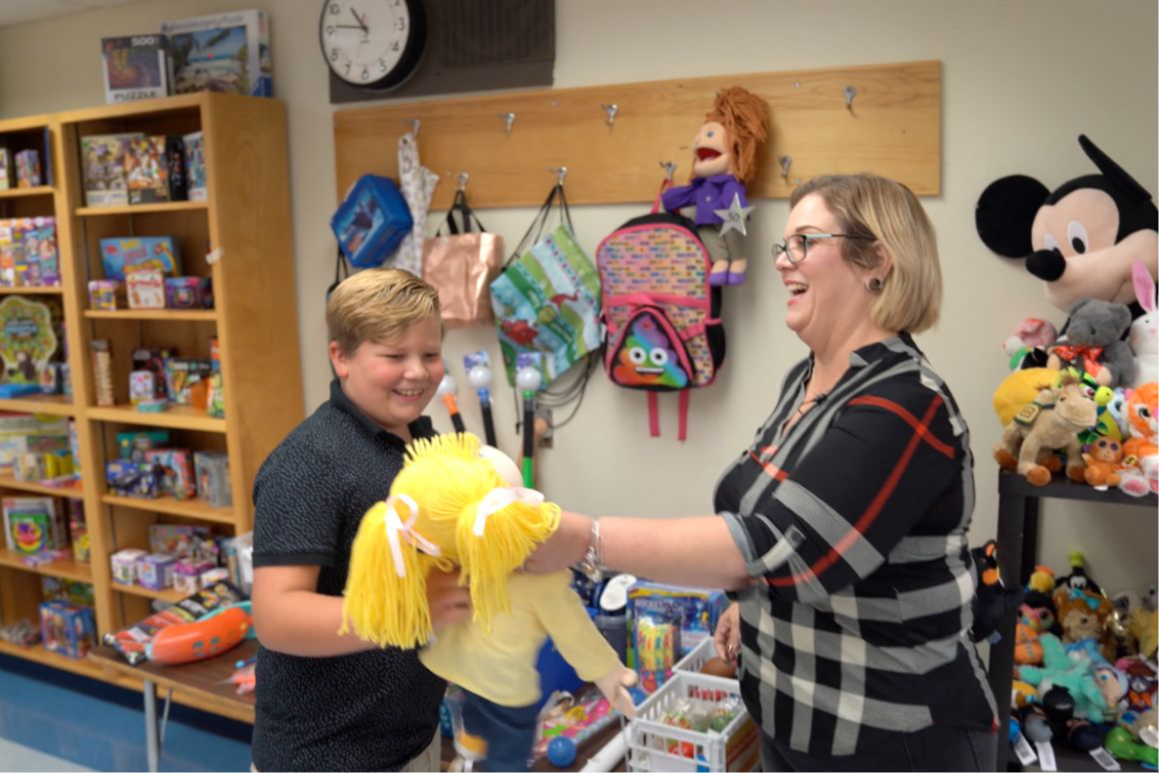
<point>374,710</point>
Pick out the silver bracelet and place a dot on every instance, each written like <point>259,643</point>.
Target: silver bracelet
<point>593,560</point>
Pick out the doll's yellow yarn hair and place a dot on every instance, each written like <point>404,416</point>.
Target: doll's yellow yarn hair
<point>447,479</point>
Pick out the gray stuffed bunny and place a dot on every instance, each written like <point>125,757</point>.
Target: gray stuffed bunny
<point>1095,323</point>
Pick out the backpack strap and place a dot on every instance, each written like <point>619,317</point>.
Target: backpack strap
<point>653,414</point>
<point>682,431</point>
<point>656,202</point>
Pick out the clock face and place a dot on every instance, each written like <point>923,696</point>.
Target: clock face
<point>372,43</point>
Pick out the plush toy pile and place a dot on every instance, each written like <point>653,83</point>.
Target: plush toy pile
<point>1087,389</point>
<point>1085,665</point>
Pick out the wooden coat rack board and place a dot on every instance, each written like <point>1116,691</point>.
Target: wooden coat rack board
<point>877,118</point>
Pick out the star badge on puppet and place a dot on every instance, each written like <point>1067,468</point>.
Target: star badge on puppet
<point>734,217</point>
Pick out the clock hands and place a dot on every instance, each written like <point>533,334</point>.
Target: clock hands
<point>361,21</point>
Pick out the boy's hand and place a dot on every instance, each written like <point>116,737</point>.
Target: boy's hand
<point>449,603</point>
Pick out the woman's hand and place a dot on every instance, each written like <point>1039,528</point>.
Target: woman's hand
<point>564,548</point>
<point>727,636</point>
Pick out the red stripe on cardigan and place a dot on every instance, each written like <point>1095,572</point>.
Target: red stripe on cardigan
<point>921,432</point>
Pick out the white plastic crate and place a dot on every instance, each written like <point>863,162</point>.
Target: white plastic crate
<point>697,657</point>
<point>655,746</point>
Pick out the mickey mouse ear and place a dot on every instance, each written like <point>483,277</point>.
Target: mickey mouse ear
<point>1113,171</point>
<point>1005,214</point>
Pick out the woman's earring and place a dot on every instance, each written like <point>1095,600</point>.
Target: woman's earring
<point>876,285</point>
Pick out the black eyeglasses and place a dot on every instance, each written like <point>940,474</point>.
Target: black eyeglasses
<point>796,247</point>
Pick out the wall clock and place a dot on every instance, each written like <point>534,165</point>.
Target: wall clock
<point>373,44</point>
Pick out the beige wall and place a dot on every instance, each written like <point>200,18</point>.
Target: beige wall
<point>1021,81</point>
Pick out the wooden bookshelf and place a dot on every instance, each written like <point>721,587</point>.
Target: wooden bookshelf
<point>57,405</point>
<point>196,509</point>
<point>81,666</point>
<point>75,491</point>
<point>67,569</point>
<point>31,290</point>
<point>163,315</point>
<point>141,209</point>
<point>26,193</point>
<point>246,221</point>
<point>169,594</point>
<point>175,417</point>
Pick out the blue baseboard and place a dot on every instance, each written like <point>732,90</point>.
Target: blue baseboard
<point>210,723</point>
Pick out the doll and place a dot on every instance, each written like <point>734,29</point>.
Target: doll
<point>450,505</point>
<point>724,160</point>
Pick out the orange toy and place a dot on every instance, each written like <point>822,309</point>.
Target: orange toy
<point>1104,463</point>
<point>1143,447</point>
<point>197,641</point>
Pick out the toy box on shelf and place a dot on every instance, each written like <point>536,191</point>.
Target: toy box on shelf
<point>103,158</point>
<point>136,67</point>
<point>66,629</point>
<point>694,722</point>
<point>34,525</point>
<point>694,611</point>
<point>228,52</point>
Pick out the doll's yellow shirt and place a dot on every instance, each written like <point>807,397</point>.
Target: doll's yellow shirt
<point>500,665</point>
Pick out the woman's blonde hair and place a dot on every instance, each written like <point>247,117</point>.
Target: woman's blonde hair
<point>889,216</point>
<point>378,305</point>
<point>442,486</point>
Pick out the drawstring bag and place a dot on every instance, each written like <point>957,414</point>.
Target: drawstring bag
<point>547,299</point>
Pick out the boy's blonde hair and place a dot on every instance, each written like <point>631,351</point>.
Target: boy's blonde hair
<point>378,305</point>
<point>887,214</point>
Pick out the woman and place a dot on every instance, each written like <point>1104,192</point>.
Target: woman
<point>842,527</point>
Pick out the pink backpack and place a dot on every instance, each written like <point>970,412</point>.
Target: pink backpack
<point>662,318</point>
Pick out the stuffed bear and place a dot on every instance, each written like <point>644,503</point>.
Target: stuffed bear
<point>1082,239</point>
<point>1093,342</point>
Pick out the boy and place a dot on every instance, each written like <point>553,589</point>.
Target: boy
<point>324,701</point>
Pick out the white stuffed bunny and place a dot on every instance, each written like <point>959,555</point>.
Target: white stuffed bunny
<point>1144,335</point>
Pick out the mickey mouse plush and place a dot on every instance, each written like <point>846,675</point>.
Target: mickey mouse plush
<point>1081,239</point>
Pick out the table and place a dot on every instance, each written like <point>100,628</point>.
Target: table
<point>202,683</point>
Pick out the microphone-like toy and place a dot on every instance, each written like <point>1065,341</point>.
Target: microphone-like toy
<point>479,375</point>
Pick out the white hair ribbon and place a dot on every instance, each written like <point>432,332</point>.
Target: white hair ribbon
<point>500,498</point>
<point>395,527</point>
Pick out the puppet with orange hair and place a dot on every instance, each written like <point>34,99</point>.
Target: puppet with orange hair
<point>451,505</point>
<point>724,156</point>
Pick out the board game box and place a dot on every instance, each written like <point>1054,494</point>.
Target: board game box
<point>104,169</point>
<point>136,67</point>
<point>227,52</point>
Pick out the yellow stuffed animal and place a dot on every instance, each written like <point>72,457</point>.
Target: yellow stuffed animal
<point>449,506</point>
<point>1020,388</point>
<point>1143,625</point>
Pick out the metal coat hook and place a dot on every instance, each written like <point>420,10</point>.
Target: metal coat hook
<point>561,171</point>
<point>850,92</point>
<point>463,176</point>
<point>611,110</point>
<point>509,118</point>
<point>785,162</point>
<point>415,124</point>
<point>669,169</point>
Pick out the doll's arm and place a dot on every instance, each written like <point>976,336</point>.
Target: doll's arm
<point>579,641</point>
<point>675,198</point>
